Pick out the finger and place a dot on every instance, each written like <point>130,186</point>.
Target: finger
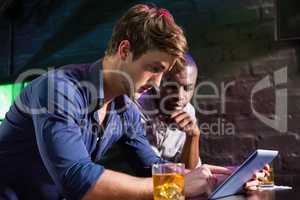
<point>267,173</point>
<point>267,167</point>
<point>185,122</point>
<point>231,168</point>
<point>259,175</point>
<point>251,188</point>
<point>252,183</point>
<point>181,116</point>
<point>206,171</point>
<point>176,113</point>
<point>220,177</point>
<point>218,169</point>
<point>186,171</point>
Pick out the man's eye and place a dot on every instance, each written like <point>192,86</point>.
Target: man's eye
<point>155,69</point>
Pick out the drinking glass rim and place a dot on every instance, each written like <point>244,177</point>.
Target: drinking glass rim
<point>168,164</point>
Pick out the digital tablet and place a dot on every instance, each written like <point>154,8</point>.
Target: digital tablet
<point>233,184</point>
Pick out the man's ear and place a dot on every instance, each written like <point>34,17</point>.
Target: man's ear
<point>124,49</point>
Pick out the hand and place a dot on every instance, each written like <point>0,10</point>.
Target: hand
<point>185,122</point>
<point>220,177</point>
<point>202,180</point>
<point>257,178</point>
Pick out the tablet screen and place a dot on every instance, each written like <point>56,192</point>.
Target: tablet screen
<point>255,162</point>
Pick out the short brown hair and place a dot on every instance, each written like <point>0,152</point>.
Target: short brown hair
<point>147,27</point>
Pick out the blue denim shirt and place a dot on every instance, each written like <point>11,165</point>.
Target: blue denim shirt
<point>50,138</point>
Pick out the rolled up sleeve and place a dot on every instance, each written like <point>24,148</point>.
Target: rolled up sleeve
<point>59,138</point>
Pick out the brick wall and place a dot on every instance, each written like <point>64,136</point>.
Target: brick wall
<point>237,48</point>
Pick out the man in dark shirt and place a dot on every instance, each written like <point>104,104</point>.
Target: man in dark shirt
<point>64,121</point>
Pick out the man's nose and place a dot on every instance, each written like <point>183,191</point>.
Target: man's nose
<point>180,92</point>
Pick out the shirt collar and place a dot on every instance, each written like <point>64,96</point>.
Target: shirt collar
<point>94,76</point>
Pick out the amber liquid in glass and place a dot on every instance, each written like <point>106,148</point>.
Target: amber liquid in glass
<point>168,186</point>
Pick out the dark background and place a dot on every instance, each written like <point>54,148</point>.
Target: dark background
<point>232,40</point>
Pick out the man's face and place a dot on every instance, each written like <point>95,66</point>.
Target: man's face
<point>148,69</point>
<point>177,89</point>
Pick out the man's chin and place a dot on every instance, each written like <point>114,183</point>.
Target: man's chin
<point>139,90</point>
<point>142,90</point>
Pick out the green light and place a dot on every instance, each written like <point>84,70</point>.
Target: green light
<point>8,94</point>
<point>16,90</point>
<point>5,99</point>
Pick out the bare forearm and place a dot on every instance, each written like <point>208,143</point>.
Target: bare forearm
<point>188,124</point>
<point>190,155</point>
<point>118,186</point>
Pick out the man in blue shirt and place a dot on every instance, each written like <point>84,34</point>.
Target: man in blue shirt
<point>65,121</point>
